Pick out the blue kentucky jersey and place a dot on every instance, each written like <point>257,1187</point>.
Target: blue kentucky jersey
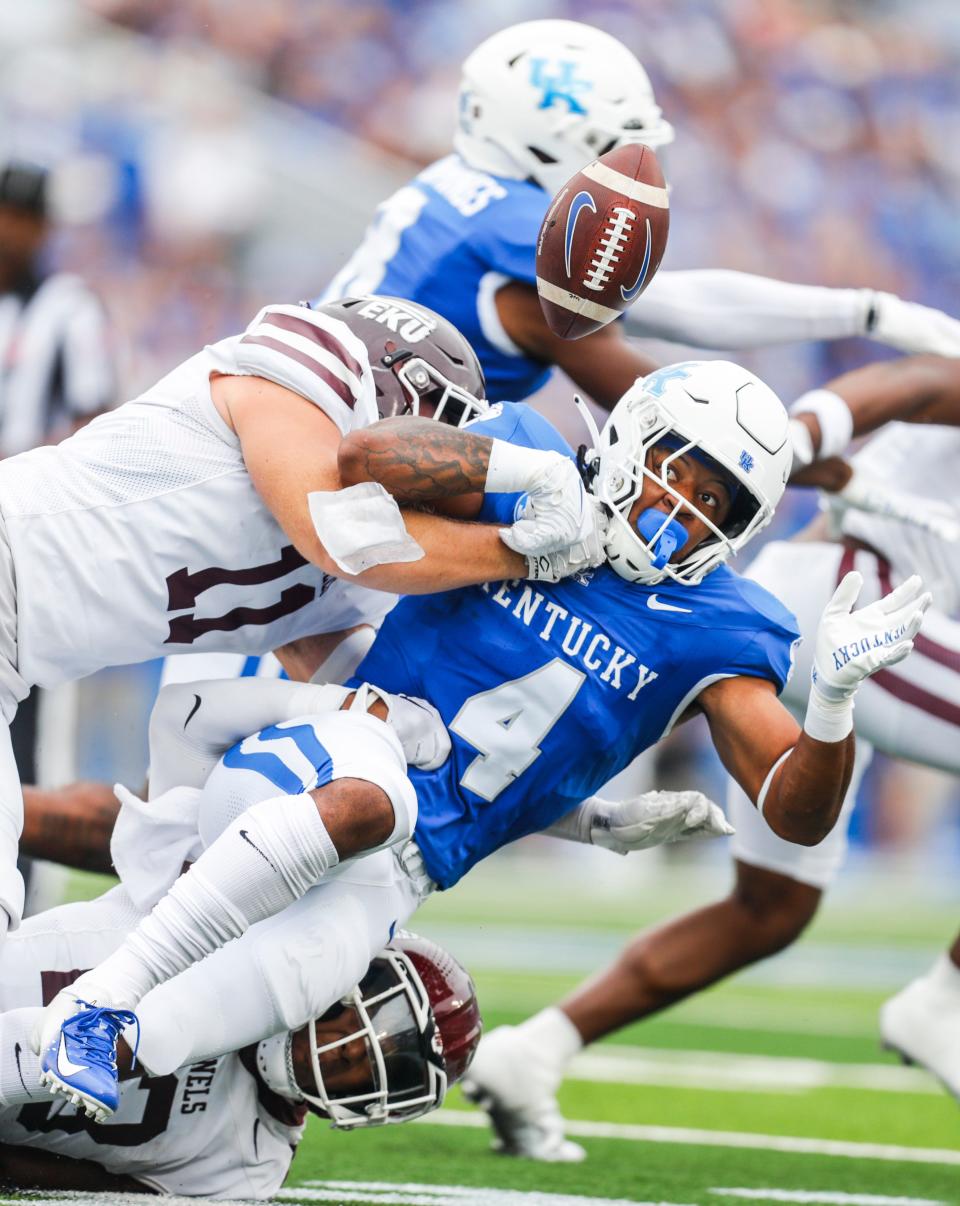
<point>550,690</point>
<point>448,240</point>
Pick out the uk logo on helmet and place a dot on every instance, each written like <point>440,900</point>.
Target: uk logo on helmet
<point>656,383</point>
<point>559,86</point>
<point>746,461</point>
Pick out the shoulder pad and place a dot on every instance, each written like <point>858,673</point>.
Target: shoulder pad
<point>314,355</point>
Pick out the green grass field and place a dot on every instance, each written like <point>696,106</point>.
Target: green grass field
<point>771,1088</point>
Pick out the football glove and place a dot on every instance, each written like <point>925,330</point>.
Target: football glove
<point>657,818</point>
<point>557,513</point>
<point>911,327</point>
<point>852,645</point>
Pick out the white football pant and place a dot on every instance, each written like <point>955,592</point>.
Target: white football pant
<point>911,711</point>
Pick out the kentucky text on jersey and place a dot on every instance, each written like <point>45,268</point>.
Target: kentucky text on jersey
<point>572,633</point>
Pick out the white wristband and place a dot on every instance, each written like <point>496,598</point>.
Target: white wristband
<point>802,442</point>
<point>828,719</point>
<point>834,417</point>
<point>511,469</point>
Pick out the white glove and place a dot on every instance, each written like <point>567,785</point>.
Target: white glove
<point>585,552</point>
<point>852,645</point>
<point>911,327</point>
<point>557,512</point>
<point>655,819</point>
<point>863,492</point>
<point>417,724</point>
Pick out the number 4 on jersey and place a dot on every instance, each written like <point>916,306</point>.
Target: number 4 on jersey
<point>507,724</point>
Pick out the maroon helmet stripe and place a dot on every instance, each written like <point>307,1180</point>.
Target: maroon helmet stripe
<point>910,693</point>
<point>309,330</point>
<point>340,388</point>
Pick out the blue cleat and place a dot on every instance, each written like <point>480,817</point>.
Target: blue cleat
<point>81,1063</point>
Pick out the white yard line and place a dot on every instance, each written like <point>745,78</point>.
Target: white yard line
<point>416,1193</point>
<point>740,1139</point>
<point>825,1197</point>
<point>758,1073</point>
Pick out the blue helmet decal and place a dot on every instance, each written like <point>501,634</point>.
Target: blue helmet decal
<point>655,383</point>
<point>562,85</point>
<point>746,461</point>
<point>580,202</point>
<point>629,294</point>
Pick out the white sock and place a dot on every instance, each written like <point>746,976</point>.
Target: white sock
<point>553,1037</point>
<point>945,975</point>
<point>263,861</point>
<point>19,1067</point>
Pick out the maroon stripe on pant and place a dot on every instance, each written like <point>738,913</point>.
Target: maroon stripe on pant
<point>916,696</point>
<point>340,388</point>
<point>922,644</point>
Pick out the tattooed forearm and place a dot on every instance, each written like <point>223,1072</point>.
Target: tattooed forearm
<point>416,459</point>
<point>70,825</point>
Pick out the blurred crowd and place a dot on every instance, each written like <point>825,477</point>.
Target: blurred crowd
<point>817,140</point>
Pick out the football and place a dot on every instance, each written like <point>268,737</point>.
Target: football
<point>602,240</point>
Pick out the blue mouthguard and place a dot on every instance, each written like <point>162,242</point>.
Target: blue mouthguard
<point>673,536</point>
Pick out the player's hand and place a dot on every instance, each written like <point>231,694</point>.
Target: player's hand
<point>656,818</point>
<point>852,645</point>
<point>585,552</point>
<point>864,492</point>
<point>557,511</point>
<point>418,725</point>
<point>911,327</point>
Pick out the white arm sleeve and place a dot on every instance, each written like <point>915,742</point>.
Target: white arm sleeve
<point>11,826</point>
<point>715,308</point>
<point>192,724</point>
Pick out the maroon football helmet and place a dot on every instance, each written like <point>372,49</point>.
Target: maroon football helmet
<point>421,363</point>
<point>417,1016</point>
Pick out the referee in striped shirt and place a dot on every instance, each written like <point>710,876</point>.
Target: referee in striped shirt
<point>56,365</point>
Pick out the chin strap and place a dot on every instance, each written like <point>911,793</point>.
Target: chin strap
<point>672,535</point>
<point>275,1065</point>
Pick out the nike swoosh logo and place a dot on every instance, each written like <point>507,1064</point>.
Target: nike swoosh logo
<point>16,1053</point>
<point>580,202</point>
<point>265,857</point>
<point>193,711</point>
<point>65,1065</point>
<point>655,605</point>
<point>629,294</point>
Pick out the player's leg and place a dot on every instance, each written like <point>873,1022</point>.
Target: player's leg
<point>292,968</point>
<point>265,859</point>
<point>913,712</point>
<point>268,856</point>
<point>35,963</point>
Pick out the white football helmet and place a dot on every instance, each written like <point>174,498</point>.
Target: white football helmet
<point>542,99</point>
<point>713,409</point>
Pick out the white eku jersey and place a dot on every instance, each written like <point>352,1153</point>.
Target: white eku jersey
<point>923,461</point>
<point>211,1129</point>
<point>143,534</point>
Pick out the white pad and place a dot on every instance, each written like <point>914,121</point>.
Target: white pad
<point>361,526</point>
